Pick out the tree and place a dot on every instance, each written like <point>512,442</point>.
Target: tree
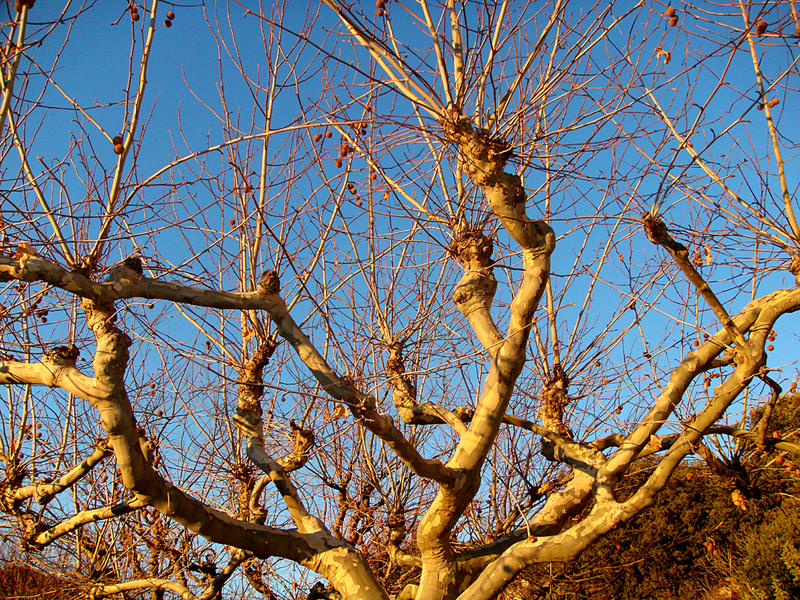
<point>408,322</point>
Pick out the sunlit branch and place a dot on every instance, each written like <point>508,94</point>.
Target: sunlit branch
<point>392,66</point>
<point>23,156</point>
<point>658,234</point>
<point>499,112</point>
<point>776,148</point>
<point>150,583</point>
<point>86,517</point>
<point>8,79</point>
<point>113,207</point>
<point>43,492</point>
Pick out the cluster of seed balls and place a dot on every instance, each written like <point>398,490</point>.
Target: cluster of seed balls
<point>135,16</point>
<point>671,14</point>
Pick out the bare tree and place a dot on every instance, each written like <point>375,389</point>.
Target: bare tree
<point>401,298</point>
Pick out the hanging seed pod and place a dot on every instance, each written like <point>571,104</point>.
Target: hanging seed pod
<point>761,27</point>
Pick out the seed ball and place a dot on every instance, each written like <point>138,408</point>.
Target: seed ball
<point>770,348</point>
<point>696,343</point>
<point>670,11</point>
<point>119,148</point>
<point>159,412</point>
<point>117,139</point>
<point>151,305</point>
<point>359,203</point>
<point>338,163</point>
<point>318,137</point>
<point>773,102</point>
<point>761,27</point>
<point>380,3</point>
<point>379,12</point>
<point>328,134</point>
<point>167,23</point>
<point>232,222</point>
<point>673,20</point>
<point>170,15</point>
<point>135,16</point>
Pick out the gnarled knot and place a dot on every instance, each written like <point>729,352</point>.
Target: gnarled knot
<point>270,283</point>
<point>396,522</point>
<point>658,233</point>
<point>62,354</point>
<point>794,267</point>
<point>554,399</point>
<point>472,248</point>
<point>398,378</point>
<point>482,154</point>
<point>302,443</point>
<point>134,263</point>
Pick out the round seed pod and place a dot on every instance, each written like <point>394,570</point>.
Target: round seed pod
<point>673,20</point>
<point>761,27</point>
<point>167,23</point>
<point>328,134</point>
<point>318,137</point>
<point>119,148</point>
<point>670,11</point>
<point>170,15</point>
<point>117,139</point>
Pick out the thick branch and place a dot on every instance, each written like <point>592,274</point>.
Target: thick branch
<point>43,492</point>
<point>152,583</point>
<point>361,405</point>
<point>54,370</point>
<point>658,234</point>
<point>88,516</point>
